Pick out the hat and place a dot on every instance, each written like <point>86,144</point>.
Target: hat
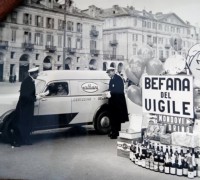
<point>35,69</point>
<point>110,69</point>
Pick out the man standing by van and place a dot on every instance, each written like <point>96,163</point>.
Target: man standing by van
<point>24,110</point>
<point>117,103</point>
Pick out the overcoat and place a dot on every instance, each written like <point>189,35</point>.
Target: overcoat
<point>25,107</point>
<point>117,101</point>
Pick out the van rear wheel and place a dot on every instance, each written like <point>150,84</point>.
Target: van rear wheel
<point>102,123</point>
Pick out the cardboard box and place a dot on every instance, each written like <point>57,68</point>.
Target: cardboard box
<point>123,146</point>
<point>129,135</point>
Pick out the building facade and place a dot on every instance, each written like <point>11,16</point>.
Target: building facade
<point>33,35</point>
<point>126,30</point>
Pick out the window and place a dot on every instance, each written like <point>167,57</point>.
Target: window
<point>50,23</point>
<point>93,27</point>
<point>69,42</point>
<point>172,29</point>
<point>59,56</point>
<point>154,26</point>
<point>114,36</point>
<point>160,27</point>
<point>167,54</point>
<point>27,19</point>
<point>77,60</point>
<point>135,37</point>
<point>60,24</point>
<point>13,35</point>
<point>27,37</point>
<point>154,40</point>
<point>144,23</point>
<point>160,53</point>
<point>12,55</point>
<point>70,25</point>
<point>149,24</point>
<point>58,89</point>
<point>148,38</point>
<point>37,56</point>
<point>114,52</point>
<point>50,40</point>
<point>39,21</point>
<point>79,43</point>
<point>135,21</point>
<point>114,22</point>
<point>13,17</point>
<point>59,40</point>
<point>134,51</point>
<point>79,27</point>
<point>166,28</point>
<point>93,44</point>
<point>39,39</point>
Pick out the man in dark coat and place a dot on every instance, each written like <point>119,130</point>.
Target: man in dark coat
<point>25,109</point>
<point>117,103</point>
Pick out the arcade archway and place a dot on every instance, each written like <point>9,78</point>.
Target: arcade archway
<point>93,64</point>
<point>120,68</point>
<point>47,63</point>
<point>68,63</point>
<point>23,66</point>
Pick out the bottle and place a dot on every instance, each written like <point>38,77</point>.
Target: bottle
<point>143,161</point>
<point>136,154</point>
<point>190,169</point>
<point>173,166</point>
<point>155,164</point>
<point>179,166</point>
<point>194,164</point>
<point>198,164</point>
<point>161,161</point>
<point>185,167</point>
<point>132,151</point>
<point>151,162</point>
<point>140,156</point>
<point>147,160</point>
<point>167,163</point>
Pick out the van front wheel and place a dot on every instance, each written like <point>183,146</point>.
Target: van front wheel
<point>102,123</point>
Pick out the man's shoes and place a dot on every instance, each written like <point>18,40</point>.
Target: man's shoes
<point>113,136</point>
<point>15,144</point>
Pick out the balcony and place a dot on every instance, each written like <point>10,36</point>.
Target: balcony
<point>167,46</point>
<point>113,57</point>
<point>71,50</point>
<point>94,33</point>
<point>113,43</point>
<point>3,44</point>
<point>28,46</point>
<point>94,52</point>
<point>50,48</point>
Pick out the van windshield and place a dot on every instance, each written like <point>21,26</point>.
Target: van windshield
<point>39,86</point>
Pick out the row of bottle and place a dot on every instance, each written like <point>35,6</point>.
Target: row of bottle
<point>166,160</point>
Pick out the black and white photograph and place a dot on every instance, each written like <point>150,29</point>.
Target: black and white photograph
<point>99,90</point>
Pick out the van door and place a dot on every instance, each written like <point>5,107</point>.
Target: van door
<point>55,109</point>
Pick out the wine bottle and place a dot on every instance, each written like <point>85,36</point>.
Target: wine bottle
<point>151,163</point>
<point>147,160</point>
<point>136,154</point>
<point>143,159</point>
<point>190,169</point>
<point>198,164</point>
<point>179,166</point>
<point>161,161</point>
<point>167,163</point>
<point>194,164</point>
<point>173,166</point>
<point>155,167</point>
<point>133,151</point>
<point>185,167</point>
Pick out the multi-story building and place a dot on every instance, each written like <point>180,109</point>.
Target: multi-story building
<point>125,30</point>
<point>33,35</point>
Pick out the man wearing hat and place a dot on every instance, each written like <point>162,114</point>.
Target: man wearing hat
<point>117,102</point>
<point>25,109</point>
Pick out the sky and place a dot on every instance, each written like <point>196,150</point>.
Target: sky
<point>188,10</point>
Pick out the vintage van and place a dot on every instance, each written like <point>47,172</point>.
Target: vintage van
<point>82,102</point>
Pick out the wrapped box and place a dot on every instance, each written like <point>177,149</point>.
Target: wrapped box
<point>165,139</point>
<point>129,135</point>
<point>185,139</point>
<point>123,146</point>
<point>154,131</point>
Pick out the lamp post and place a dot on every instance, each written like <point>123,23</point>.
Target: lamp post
<point>67,3</point>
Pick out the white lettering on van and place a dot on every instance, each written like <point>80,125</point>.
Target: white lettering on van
<point>90,87</point>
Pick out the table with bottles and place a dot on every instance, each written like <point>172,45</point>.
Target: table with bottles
<point>169,159</point>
